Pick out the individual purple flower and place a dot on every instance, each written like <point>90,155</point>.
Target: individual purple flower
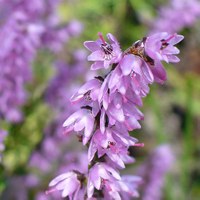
<point>161,47</point>
<point>103,53</point>
<point>112,143</point>
<point>82,119</point>
<point>68,183</point>
<point>99,176</point>
<point>88,90</point>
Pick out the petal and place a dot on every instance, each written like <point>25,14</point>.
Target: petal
<point>105,101</point>
<point>132,124</point>
<point>94,83</point>
<point>102,121</point>
<point>126,64</point>
<point>71,185</point>
<point>97,65</point>
<point>117,101</point>
<point>112,38</point>
<point>89,125</point>
<point>78,126</point>
<point>173,59</point>
<point>90,189</point>
<point>147,73</point>
<point>116,159</point>
<point>114,78</point>
<point>137,65</point>
<point>91,45</point>
<point>96,56</point>
<point>60,178</point>
<point>159,72</point>
<point>72,118</point>
<point>91,151</point>
<point>176,39</point>
<point>118,114</point>
<point>112,171</point>
<point>103,89</point>
<point>171,50</point>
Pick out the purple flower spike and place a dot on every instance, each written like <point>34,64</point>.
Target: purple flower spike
<point>109,109</point>
<point>104,54</point>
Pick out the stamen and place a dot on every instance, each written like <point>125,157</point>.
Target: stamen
<point>172,36</point>
<point>106,47</point>
<point>50,191</point>
<point>101,37</point>
<point>139,145</point>
<point>111,143</point>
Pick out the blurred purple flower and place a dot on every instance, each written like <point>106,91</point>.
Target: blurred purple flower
<point>26,28</point>
<point>154,171</point>
<point>18,37</point>
<point>176,15</point>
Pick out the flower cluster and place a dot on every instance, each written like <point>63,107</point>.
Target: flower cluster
<point>109,110</point>
<point>26,28</point>
<point>18,37</point>
<point>176,15</point>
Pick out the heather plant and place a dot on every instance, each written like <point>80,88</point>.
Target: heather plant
<point>38,77</point>
<point>108,110</point>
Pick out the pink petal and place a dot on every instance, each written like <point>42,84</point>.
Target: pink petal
<point>91,45</point>
<point>96,56</point>
<point>71,185</point>
<point>126,64</point>
<point>72,118</point>
<point>97,65</point>
<point>60,178</point>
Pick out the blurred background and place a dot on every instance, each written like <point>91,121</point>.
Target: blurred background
<point>43,62</point>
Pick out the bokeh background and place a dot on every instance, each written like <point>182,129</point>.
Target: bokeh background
<point>43,61</point>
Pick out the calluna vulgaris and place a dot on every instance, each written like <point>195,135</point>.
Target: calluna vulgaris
<point>109,110</point>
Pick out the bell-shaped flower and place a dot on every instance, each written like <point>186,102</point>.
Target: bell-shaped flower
<point>82,119</point>
<point>98,174</point>
<point>68,183</point>
<point>88,91</point>
<point>160,46</point>
<point>103,53</point>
